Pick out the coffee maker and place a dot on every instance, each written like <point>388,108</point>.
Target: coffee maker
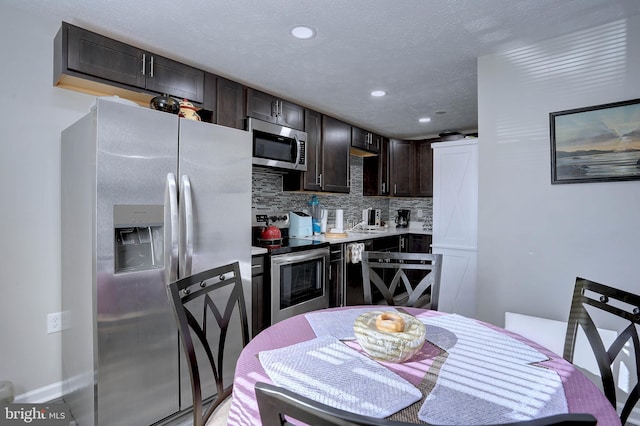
<point>402,219</point>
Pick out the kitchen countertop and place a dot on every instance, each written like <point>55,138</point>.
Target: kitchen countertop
<point>255,251</point>
<point>362,235</point>
<point>357,236</point>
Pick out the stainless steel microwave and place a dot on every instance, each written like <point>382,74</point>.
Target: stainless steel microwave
<point>278,146</point>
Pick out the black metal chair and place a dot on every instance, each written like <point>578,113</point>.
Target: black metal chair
<point>418,272</point>
<point>611,301</point>
<point>275,403</point>
<point>203,327</point>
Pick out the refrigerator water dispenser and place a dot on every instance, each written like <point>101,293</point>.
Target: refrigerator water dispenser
<point>138,237</point>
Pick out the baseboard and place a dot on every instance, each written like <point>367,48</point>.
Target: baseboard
<point>41,395</point>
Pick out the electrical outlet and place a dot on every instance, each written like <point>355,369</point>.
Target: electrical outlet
<point>54,322</point>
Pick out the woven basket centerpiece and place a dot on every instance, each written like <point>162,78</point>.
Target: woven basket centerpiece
<point>389,336</point>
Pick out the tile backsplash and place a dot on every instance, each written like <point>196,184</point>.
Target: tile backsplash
<point>267,194</point>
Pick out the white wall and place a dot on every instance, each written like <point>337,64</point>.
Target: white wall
<point>32,113</point>
<point>535,238</point>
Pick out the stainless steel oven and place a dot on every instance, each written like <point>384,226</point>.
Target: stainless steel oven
<point>299,282</point>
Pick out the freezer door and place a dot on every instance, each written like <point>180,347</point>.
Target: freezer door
<point>137,345</point>
<point>215,214</point>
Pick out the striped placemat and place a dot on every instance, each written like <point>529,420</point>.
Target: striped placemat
<point>338,324</point>
<point>326,370</point>
<point>488,377</point>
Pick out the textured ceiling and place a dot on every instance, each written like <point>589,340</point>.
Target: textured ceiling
<point>423,53</point>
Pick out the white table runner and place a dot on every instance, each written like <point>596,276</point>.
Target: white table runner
<point>488,377</point>
<point>326,370</point>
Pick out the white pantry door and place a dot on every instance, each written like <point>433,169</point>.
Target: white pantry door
<point>455,222</point>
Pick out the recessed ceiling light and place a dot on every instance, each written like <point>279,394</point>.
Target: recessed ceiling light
<point>302,32</point>
<point>378,93</point>
<point>424,120</point>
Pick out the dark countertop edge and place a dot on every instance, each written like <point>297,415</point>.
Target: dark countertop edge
<point>353,237</point>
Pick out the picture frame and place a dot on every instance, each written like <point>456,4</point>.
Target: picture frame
<point>599,143</point>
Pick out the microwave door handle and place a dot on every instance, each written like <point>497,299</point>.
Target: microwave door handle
<point>298,150</point>
<point>171,227</point>
<point>186,227</point>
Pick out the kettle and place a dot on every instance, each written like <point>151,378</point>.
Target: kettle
<point>270,233</point>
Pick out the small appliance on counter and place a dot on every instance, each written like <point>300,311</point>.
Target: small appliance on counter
<point>317,211</point>
<point>402,220</point>
<point>371,217</point>
<point>300,224</point>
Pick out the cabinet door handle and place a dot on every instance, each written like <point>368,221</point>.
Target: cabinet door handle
<point>395,188</point>
<point>383,184</point>
<point>151,68</point>
<point>144,63</point>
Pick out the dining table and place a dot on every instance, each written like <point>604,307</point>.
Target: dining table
<point>467,372</point>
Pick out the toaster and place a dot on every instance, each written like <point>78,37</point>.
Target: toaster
<point>300,224</point>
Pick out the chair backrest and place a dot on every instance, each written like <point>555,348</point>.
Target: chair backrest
<point>275,403</point>
<point>593,300</point>
<point>205,305</point>
<point>419,274</point>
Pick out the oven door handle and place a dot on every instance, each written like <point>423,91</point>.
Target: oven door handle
<point>300,256</point>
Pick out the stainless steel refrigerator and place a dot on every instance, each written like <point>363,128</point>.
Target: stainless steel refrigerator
<point>146,197</point>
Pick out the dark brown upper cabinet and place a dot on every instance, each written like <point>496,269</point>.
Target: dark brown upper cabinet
<point>336,160</point>
<point>375,172</point>
<point>424,169</point>
<point>228,109</point>
<point>402,168</point>
<point>328,156</point>
<point>365,141</point>
<point>90,56</point>
<point>264,106</point>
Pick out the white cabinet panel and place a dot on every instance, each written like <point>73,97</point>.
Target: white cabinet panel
<point>455,223</point>
<point>455,193</point>
<point>458,281</point>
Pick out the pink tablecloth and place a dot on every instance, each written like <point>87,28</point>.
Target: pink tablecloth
<point>581,394</point>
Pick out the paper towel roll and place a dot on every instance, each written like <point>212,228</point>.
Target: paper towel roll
<point>339,220</point>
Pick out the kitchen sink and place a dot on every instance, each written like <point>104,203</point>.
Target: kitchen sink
<point>367,231</point>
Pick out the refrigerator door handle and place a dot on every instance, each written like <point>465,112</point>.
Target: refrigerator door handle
<point>186,227</point>
<point>171,227</point>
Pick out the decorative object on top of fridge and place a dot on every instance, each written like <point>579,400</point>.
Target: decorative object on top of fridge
<point>165,103</point>
<point>188,111</point>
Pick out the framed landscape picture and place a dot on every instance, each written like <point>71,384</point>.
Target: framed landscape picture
<point>596,144</point>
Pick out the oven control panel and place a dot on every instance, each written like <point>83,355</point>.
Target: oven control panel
<point>275,218</point>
